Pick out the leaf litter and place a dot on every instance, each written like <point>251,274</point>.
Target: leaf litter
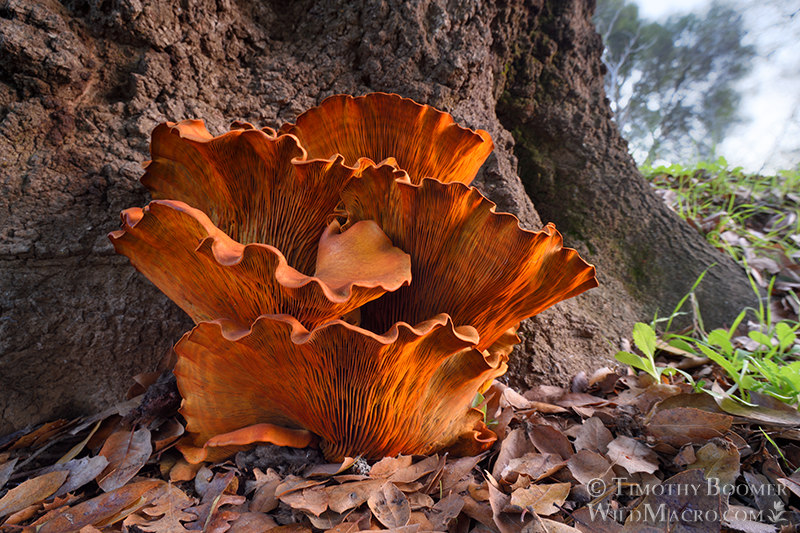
<point>633,455</point>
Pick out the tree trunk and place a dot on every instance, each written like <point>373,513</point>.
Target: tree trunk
<point>84,82</point>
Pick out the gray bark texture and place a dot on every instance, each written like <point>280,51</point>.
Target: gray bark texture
<point>84,82</point>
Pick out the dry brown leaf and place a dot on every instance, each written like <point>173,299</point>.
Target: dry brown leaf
<point>105,509</point>
<point>22,515</point>
<point>418,500</point>
<point>81,472</point>
<point>591,521</point>
<point>415,471</point>
<point>592,435</point>
<point>165,514</point>
<point>516,444</point>
<point>445,511</point>
<point>389,465</point>
<point>479,511</point>
<point>544,499</point>
<point>390,506</point>
<point>768,410</point>
<point>328,470</point>
<point>313,500</point>
<point>499,501</point>
<point>31,492</point>
<point>548,439</point>
<point>350,495</point>
<point>6,469</point>
<point>683,503</point>
<point>166,434</point>
<point>264,500</point>
<point>685,456</point>
<point>419,518</point>
<point>534,465</point>
<point>457,471</point>
<point>127,451</point>
<point>684,425</point>
<point>719,459</point>
<point>290,528</point>
<point>632,455</point>
<point>293,483</point>
<point>345,527</point>
<point>75,450</point>
<point>209,513</point>
<point>41,435</point>
<point>326,520</point>
<point>586,466</point>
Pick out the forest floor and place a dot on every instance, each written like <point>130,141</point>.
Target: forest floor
<point>700,433</point>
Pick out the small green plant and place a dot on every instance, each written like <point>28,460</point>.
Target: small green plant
<point>769,364</point>
<point>645,338</point>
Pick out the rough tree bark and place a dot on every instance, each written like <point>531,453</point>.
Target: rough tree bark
<point>83,83</point>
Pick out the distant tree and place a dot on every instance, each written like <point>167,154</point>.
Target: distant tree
<point>672,86</point>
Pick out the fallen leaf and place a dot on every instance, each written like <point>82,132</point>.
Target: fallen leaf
<point>458,470</point>
<point>775,413</point>
<point>544,499</point>
<point>592,435</point>
<point>350,495</point>
<point>415,471</point>
<point>346,527</point>
<point>445,511</point>
<point>479,511</point>
<point>75,450</point>
<point>390,506</point>
<point>127,452</point>
<point>389,465</point>
<point>264,499</point>
<point>31,492</point>
<point>105,509</point>
<point>326,520</point>
<point>6,470</point>
<point>534,465</point>
<point>418,500</point>
<point>684,425</point>
<point>765,494</point>
<point>516,444</point>
<point>719,459</point>
<point>327,470</point>
<point>41,435</point>
<point>545,525</point>
<point>499,502</point>
<point>209,513</point>
<point>586,466</point>
<point>683,503</point>
<point>741,518</point>
<point>81,472</point>
<point>313,500</point>
<point>166,514</point>
<point>548,439</point>
<point>293,483</point>
<point>166,434</point>
<point>632,455</point>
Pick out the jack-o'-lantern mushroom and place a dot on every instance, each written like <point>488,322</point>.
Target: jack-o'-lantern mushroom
<point>241,220</point>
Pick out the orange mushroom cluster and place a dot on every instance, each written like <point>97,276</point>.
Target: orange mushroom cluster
<point>349,287</point>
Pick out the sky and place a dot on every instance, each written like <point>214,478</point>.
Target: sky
<point>771,93</point>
